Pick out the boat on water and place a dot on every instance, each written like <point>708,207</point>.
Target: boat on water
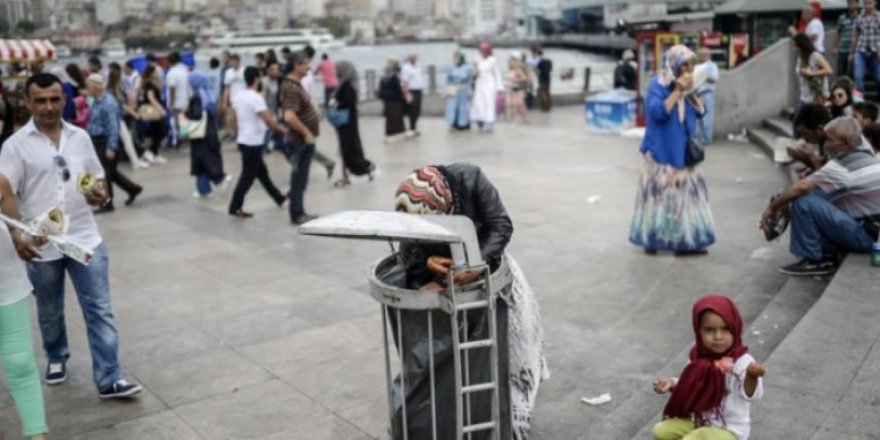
<point>114,48</point>
<point>252,42</point>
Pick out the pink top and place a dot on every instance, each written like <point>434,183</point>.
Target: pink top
<point>327,69</point>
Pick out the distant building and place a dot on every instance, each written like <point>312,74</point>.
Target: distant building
<point>83,39</point>
<point>601,15</point>
<point>483,17</point>
<point>16,11</point>
<point>108,12</point>
<point>413,8</point>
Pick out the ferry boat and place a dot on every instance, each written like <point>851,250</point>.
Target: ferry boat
<point>114,48</point>
<point>252,42</point>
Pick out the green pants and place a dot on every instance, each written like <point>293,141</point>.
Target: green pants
<point>17,358</point>
<point>684,429</point>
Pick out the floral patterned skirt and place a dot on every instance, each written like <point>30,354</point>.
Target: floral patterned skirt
<point>672,210</point>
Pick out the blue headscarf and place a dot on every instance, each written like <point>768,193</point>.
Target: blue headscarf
<point>201,84</point>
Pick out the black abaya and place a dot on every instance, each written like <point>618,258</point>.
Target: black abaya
<point>349,134</point>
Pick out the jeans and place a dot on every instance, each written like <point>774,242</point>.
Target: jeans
<point>818,229</point>
<point>866,60</point>
<point>204,181</point>
<point>706,124</point>
<point>253,167</point>
<point>92,287</point>
<point>17,356</point>
<point>300,158</point>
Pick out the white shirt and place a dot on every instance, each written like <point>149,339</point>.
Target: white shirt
<point>412,77</point>
<point>817,29</point>
<point>131,82</point>
<point>735,406</point>
<point>28,161</point>
<point>178,79</point>
<point>234,81</point>
<point>14,284</point>
<point>251,128</point>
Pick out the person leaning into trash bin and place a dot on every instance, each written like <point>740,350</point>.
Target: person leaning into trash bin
<point>453,189</point>
<point>463,189</point>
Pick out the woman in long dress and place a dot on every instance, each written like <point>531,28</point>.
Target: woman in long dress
<point>672,210</point>
<point>350,147</point>
<point>206,160</point>
<point>488,84</point>
<point>458,85</point>
<point>391,92</point>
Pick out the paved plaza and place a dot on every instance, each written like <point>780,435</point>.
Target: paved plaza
<point>247,330</point>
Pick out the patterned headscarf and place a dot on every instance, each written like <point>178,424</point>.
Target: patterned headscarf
<point>676,57</point>
<point>424,191</point>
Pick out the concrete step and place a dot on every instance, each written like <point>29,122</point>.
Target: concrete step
<point>766,329</point>
<point>822,379</point>
<point>778,125</point>
<point>763,138</point>
<point>787,113</point>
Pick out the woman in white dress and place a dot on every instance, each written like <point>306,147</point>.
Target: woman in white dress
<point>488,85</point>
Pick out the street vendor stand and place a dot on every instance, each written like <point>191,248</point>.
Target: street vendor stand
<point>464,394</point>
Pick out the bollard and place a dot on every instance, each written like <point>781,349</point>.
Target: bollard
<point>587,80</point>
<point>432,79</point>
<point>370,75</point>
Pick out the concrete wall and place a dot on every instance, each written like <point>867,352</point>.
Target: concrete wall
<point>758,89</point>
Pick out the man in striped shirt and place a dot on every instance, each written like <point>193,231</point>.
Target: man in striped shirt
<point>837,208</point>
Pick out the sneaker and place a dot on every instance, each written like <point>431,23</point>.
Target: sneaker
<point>120,389</point>
<point>149,157</point>
<point>56,373</point>
<point>140,164</point>
<point>198,195</point>
<point>223,186</point>
<point>159,160</point>
<point>410,134</point>
<point>807,267</point>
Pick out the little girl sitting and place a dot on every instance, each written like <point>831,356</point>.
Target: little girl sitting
<point>711,399</point>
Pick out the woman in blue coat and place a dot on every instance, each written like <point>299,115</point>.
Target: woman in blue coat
<point>458,84</point>
<point>672,210</point>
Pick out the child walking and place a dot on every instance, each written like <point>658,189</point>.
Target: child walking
<point>711,399</point>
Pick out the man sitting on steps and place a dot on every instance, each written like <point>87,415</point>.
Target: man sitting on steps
<point>837,208</point>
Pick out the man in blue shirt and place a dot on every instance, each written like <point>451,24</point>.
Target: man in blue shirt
<point>104,119</point>
<point>845,25</point>
<point>706,92</point>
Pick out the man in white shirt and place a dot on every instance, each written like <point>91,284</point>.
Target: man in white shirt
<point>414,83</point>
<point>177,80</point>
<point>252,116</point>
<point>233,82</point>
<point>815,29</point>
<point>42,162</point>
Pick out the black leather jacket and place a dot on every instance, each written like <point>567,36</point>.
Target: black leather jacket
<point>474,196</point>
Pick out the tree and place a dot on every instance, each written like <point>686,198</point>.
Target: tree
<point>26,26</point>
<point>338,26</point>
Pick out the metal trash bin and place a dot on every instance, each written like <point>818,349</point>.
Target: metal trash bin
<point>454,385</point>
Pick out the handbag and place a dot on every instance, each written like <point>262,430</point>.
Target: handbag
<point>694,151</point>
<point>149,113</point>
<point>336,116</point>
<point>192,129</point>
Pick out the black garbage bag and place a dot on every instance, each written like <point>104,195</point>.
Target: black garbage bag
<point>416,376</point>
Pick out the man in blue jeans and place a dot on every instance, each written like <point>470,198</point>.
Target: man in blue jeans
<point>303,122</point>
<point>42,161</point>
<point>835,209</point>
<point>866,44</point>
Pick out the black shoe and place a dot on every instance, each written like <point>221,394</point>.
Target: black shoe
<point>693,253</point>
<point>806,267</point>
<point>120,390</point>
<point>56,374</point>
<point>133,195</point>
<point>650,251</point>
<point>241,214</point>
<point>104,209</point>
<point>303,219</point>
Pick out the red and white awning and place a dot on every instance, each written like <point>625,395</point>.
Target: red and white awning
<point>26,50</point>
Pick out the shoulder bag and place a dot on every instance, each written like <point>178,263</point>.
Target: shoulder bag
<point>336,116</point>
<point>694,151</point>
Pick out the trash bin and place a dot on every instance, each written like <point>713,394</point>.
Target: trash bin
<point>453,385</point>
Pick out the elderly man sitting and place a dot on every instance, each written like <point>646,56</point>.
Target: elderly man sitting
<point>837,208</point>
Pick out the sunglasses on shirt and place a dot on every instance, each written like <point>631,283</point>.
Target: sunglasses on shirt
<point>62,166</point>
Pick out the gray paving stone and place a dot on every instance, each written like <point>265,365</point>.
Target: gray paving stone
<point>161,426</point>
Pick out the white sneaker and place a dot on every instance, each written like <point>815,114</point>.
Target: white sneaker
<point>148,157</point>
<point>223,186</point>
<point>410,134</point>
<point>159,160</point>
<point>140,164</point>
<point>197,195</point>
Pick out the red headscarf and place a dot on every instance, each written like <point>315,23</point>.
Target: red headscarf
<point>701,388</point>
<point>817,13</point>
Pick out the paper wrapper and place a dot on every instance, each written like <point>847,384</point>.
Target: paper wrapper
<point>86,182</point>
<point>52,222</point>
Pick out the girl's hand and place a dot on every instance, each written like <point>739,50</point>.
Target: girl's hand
<point>756,370</point>
<point>663,385</point>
